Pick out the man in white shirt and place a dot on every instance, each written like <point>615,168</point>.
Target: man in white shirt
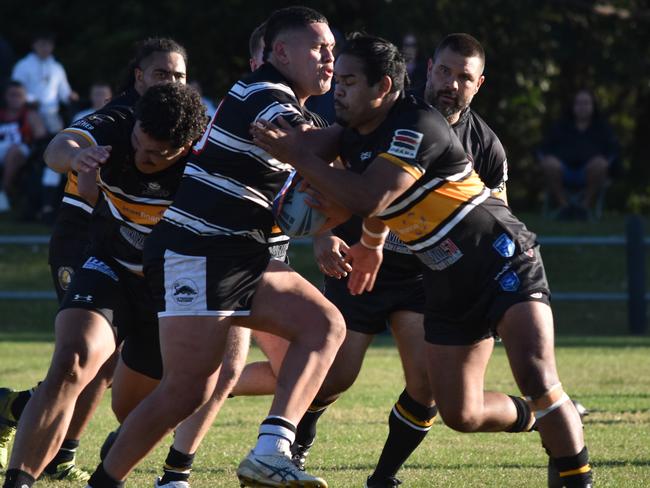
<point>45,80</point>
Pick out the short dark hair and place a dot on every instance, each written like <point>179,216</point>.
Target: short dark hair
<point>14,84</point>
<point>289,18</point>
<point>463,44</point>
<point>172,112</point>
<point>256,38</point>
<point>144,49</point>
<point>379,58</point>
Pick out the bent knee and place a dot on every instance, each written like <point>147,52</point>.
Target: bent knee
<point>461,421</point>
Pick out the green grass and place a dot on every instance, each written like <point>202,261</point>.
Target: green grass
<point>609,375</point>
<point>606,370</point>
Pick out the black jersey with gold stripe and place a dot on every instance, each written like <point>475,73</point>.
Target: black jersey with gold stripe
<point>229,183</point>
<point>419,140</point>
<point>133,202</point>
<point>71,227</point>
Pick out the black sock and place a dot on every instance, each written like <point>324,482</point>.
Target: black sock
<point>100,479</point>
<point>18,405</point>
<point>177,466</point>
<point>65,455</point>
<point>525,420</point>
<point>15,478</point>
<point>306,430</point>
<point>575,471</point>
<point>408,424</point>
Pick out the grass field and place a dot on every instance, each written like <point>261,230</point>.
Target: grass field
<point>606,370</point>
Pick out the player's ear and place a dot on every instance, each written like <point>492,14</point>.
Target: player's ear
<point>385,85</point>
<point>186,149</point>
<point>280,51</point>
<point>480,82</point>
<point>429,68</point>
<point>138,74</point>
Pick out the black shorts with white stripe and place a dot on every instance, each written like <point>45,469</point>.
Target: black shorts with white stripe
<point>215,278</point>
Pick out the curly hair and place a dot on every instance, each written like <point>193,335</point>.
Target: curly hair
<point>172,112</point>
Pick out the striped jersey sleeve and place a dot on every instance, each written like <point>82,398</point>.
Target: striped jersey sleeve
<point>229,183</point>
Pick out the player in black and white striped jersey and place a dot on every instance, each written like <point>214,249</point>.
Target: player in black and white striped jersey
<point>209,266</point>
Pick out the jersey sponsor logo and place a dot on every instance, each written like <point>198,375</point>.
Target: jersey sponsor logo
<point>154,189</point>
<point>394,244</point>
<point>441,256</point>
<point>101,266</point>
<point>185,291</point>
<point>365,156</point>
<point>133,237</point>
<point>84,124</point>
<point>504,246</point>
<point>64,276</point>
<point>509,281</point>
<point>405,143</point>
<point>82,298</point>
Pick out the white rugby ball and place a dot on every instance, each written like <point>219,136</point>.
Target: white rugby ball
<point>292,214</point>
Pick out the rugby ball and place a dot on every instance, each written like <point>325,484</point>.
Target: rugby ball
<point>291,212</point>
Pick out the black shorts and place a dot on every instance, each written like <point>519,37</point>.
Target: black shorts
<point>207,280</point>
<point>123,299</point>
<point>68,247</point>
<point>369,312</point>
<point>484,272</point>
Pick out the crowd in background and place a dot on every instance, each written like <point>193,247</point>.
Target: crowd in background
<point>578,158</point>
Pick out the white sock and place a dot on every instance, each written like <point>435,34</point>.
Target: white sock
<point>275,437</point>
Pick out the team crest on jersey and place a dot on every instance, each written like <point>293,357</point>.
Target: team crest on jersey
<point>504,246</point>
<point>509,281</point>
<point>64,275</point>
<point>185,291</point>
<point>365,156</point>
<point>441,256</point>
<point>405,143</point>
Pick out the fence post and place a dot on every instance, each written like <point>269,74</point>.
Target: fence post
<point>636,305</point>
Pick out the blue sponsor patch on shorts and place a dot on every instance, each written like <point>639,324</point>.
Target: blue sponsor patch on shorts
<point>99,265</point>
<point>509,281</point>
<point>504,246</point>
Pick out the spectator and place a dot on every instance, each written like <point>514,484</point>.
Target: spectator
<point>6,62</point>
<point>20,126</point>
<point>100,93</point>
<point>416,66</point>
<point>46,81</point>
<point>579,154</point>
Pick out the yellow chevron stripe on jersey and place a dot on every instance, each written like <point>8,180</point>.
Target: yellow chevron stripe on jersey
<point>143,214</point>
<point>426,217</point>
<point>414,171</point>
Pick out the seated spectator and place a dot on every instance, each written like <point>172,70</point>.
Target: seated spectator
<point>46,82</point>
<point>100,93</point>
<point>20,126</point>
<point>578,154</point>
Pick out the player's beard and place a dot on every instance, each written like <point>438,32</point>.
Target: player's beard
<point>445,108</point>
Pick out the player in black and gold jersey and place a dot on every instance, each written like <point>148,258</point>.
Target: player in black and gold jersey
<point>397,298</point>
<point>482,269</point>
<point>156,60</point>
<point>141,160</point>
